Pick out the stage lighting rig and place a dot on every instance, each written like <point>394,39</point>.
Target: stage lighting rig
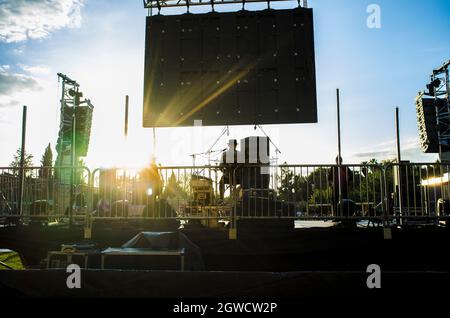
<point>433,86</point>
<point>433,113</point>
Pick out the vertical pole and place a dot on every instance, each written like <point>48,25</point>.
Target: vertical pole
<point>126,116</point>
<point>61,161</point>
<point>397,129</point>
<point>22,160</point>
<point>127,99</point>
<point>339,163</point>
<point>73,158</point>
<point>61,173</point>
<point>438,113</point>
<point>154,145</point>
<point>447,100</point>
<point>399,161</point>
<point>447,95</point>
<point>338,122</point>
<point>447,84</point>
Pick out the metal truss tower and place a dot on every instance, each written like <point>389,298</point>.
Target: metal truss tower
<point>440,89</point>
<point>75,127</point>
<point>159,4</point>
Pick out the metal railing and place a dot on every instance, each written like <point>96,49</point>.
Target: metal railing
<point>182,192</point>
<point>310,191</point>
<point>417,191</point>
<point>212,194</point>
<point>47,193</point>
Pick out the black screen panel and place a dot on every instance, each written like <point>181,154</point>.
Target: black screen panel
<point>232,68</point>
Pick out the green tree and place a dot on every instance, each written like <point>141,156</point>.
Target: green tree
<point>28,161</point>
<point>172,186</point>
<point>320,199</point>
<point>47,157</point>
<point>298,185</point>
<point>176,191</point>
<point>46,162</point>
<point>81,163</point>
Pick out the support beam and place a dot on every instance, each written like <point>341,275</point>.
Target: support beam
<point>397,129</point>
<point>158,4</point>
<point>126,116</point>
<point>22,160</point>
<point>339,157</point>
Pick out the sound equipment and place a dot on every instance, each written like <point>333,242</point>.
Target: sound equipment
<point>202,190</point>
<point>256,149</point>
<point>427,124</point>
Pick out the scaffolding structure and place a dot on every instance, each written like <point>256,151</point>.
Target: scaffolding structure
<point>159,4</point>
<point>75,126</point>
<point>440,90</point>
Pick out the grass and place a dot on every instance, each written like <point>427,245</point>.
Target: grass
<point>11,259</point>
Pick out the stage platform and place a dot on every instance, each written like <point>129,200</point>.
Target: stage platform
<point>265,248</point>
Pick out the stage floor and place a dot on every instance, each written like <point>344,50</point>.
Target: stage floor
<point>265,248</point>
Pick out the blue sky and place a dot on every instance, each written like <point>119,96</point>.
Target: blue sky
<point>101,44</point>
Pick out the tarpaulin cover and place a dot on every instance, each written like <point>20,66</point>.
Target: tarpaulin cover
<point>169,240</point>
<point>156,240</point>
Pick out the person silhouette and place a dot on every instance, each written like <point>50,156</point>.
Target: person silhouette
<point>339,178</point>
<point>228,163</point>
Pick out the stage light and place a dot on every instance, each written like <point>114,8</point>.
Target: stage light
<point>434,84</point>
<point>150,191</point>
<point>72,93</point>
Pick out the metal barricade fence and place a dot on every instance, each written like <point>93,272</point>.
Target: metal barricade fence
<point>244,191</point>
<point>417,191</point>
<point>392,192</point>
<point>310,191</point>
<point>181,192</point>
<point>45,194</point>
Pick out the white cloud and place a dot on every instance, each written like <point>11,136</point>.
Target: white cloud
<point>410,150</point>
<point>388,150</point>
<point>36,69</point>
<point>6,101</point>
<point>36,19</point>
<point>13,83</point>
<point>18,50</point>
